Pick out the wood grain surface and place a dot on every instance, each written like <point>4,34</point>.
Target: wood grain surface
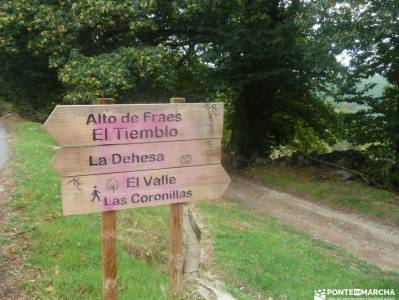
<point>74,161</point>
<point>117,191</point>
<point>86,125</point>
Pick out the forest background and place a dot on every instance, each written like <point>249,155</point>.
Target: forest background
<point>295,76</point>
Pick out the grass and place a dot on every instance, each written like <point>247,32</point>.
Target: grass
<point>5,107</point>
<point>265,257</point>
<point>308,182</point>
<point>66,251</point>
<point>250,250</point>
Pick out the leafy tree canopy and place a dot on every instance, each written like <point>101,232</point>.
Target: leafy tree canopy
<point>268,54</point>
<point>368,31</point>
<point>87,49</point>
<point>264,57</point>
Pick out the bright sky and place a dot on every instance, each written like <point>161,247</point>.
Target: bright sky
<point>344,58</point>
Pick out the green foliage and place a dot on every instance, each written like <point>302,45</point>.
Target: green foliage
<point>266,55</point>
<point>307,140</point>
<point>368,31</point>
<point>263,56</point>
<point>5,108</point>
<point>118,74</point>
<point>307,126</point>
<point>87,49</point>
<point>376,126</point>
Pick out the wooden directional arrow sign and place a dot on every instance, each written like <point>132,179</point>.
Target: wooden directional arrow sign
<point>85,125</point>
<point>121,158</point>
<point>126,156</point>
<point>87,194</point>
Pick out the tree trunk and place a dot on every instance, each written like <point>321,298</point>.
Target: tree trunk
<point>250,121</point>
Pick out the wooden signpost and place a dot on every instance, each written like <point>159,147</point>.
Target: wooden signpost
<point>94,125</point>
<point>123,158</point>
<point>115,157</point>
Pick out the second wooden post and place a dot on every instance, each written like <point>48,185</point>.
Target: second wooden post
<point>108,236</point>
<point>176,241</point>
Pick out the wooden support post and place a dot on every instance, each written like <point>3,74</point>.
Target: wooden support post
<point>176,241</point>
<point>108,235</point>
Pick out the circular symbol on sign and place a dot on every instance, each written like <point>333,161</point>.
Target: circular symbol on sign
<point>112,184</point>
<point>186,159</point>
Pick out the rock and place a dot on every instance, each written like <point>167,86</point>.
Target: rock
<point>192,238</point>
<point>351,159</point>
<point>213,290</point>
<point>301,159</point>
<point>342,175</point>
<point>241,162</point>
<point>260,161</point>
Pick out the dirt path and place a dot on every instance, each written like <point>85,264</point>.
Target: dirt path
<point>13,252</point>
<point>369,240</point>
<point>4,156</point>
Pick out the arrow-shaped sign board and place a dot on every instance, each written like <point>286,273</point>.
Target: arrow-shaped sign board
<point>124,156</point>
<point>93,125</point>
<point>116,191</point>
<point>75,161</point>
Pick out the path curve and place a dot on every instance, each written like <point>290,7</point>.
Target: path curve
<point>4,157</point>
<point>369,240</point>
<point>12,270</point>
